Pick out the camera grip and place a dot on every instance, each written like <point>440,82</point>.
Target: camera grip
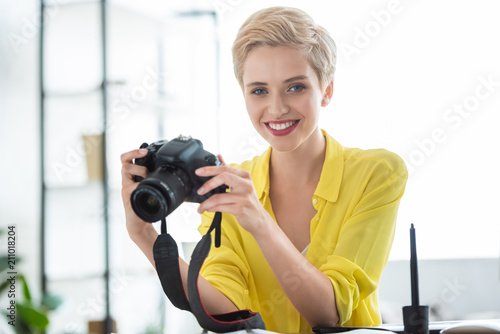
<point>144,161</point>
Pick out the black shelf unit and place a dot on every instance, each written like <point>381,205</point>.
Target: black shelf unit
<point>105,187</point>
<point>102,90</point>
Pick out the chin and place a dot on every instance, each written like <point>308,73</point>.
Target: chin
<point>284,145</point>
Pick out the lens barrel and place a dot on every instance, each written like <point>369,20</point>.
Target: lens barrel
<point>160,193</point>
<point>149,203</point>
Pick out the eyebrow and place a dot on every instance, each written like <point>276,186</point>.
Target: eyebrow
<point>259,83</point>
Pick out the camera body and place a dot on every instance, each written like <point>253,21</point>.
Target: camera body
<point>171,179</point>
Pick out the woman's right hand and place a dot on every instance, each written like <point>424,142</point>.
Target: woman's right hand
<point>135,225</point>
<point>144,235</point>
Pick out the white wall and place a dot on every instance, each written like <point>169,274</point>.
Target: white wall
<point>19,125</point>
<point>404,68</point>
<point>454,289</point>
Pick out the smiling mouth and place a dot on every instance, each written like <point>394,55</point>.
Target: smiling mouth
<point>282,125</point>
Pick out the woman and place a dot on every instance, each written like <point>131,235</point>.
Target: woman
<point>307,226</point>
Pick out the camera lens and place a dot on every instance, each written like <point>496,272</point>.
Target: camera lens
<point>160,193</point>
<point>148,203</point>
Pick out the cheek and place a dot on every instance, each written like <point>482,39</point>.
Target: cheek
<point>308,105</point>
<point>252,110</point>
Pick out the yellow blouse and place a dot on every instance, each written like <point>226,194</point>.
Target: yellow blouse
<point>356,199</point>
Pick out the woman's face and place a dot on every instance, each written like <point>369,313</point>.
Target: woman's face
<point>282,95</point>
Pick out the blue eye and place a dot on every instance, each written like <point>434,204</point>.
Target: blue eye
<point>259,91</point>
<point>297,88</point>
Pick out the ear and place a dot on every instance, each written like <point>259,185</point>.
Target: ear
<point>327,94</point>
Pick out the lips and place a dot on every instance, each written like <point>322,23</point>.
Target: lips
<point>281,128</point>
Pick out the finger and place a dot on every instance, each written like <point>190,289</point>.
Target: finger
<point>233,181</point>
<point>213,183</point>
<point>221,159</point>
<point>131,170</point>
<point>129,156</point>
<point>227,208</point>
<point>216,170</point>
<point>219,202</point>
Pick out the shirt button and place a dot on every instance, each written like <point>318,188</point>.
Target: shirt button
<point>315,201</point>
<point>317,218</point>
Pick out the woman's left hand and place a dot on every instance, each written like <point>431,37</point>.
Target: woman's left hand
<point>241,201</point>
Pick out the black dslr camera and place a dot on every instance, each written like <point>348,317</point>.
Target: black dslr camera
<point>171,179</point>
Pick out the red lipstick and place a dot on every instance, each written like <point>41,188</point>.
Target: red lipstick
<point>281,128</point>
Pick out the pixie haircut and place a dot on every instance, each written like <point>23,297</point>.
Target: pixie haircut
<point>285,26</point>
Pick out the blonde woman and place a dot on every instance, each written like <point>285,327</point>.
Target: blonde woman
<point>307,226</point>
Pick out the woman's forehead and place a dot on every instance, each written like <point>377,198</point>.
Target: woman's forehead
<point>276,64</point>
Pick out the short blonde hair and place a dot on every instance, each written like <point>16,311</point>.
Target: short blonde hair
<point>285,26</point>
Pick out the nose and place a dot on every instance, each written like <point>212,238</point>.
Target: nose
<point>278,105</point>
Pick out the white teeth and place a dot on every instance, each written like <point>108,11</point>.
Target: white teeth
<point>281,126</point>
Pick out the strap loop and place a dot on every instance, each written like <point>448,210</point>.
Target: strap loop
<point>167,266</point>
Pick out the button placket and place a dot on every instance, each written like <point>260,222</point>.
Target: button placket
<point>315,204</point>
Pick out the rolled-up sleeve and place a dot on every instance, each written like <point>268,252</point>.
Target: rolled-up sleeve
<point>365,234</point>
<point>226,267</point>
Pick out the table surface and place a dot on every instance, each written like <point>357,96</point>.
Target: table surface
<point>434,327</point>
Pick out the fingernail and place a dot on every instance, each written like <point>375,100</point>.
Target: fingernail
<point>201,191</point>
<point>199,171</point>
<point>143,151</point>
<point>199,210</point>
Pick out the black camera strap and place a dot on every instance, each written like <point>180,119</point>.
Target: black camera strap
<point>166,257</point>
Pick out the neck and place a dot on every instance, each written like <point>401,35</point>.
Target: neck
<point>301,165</point>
